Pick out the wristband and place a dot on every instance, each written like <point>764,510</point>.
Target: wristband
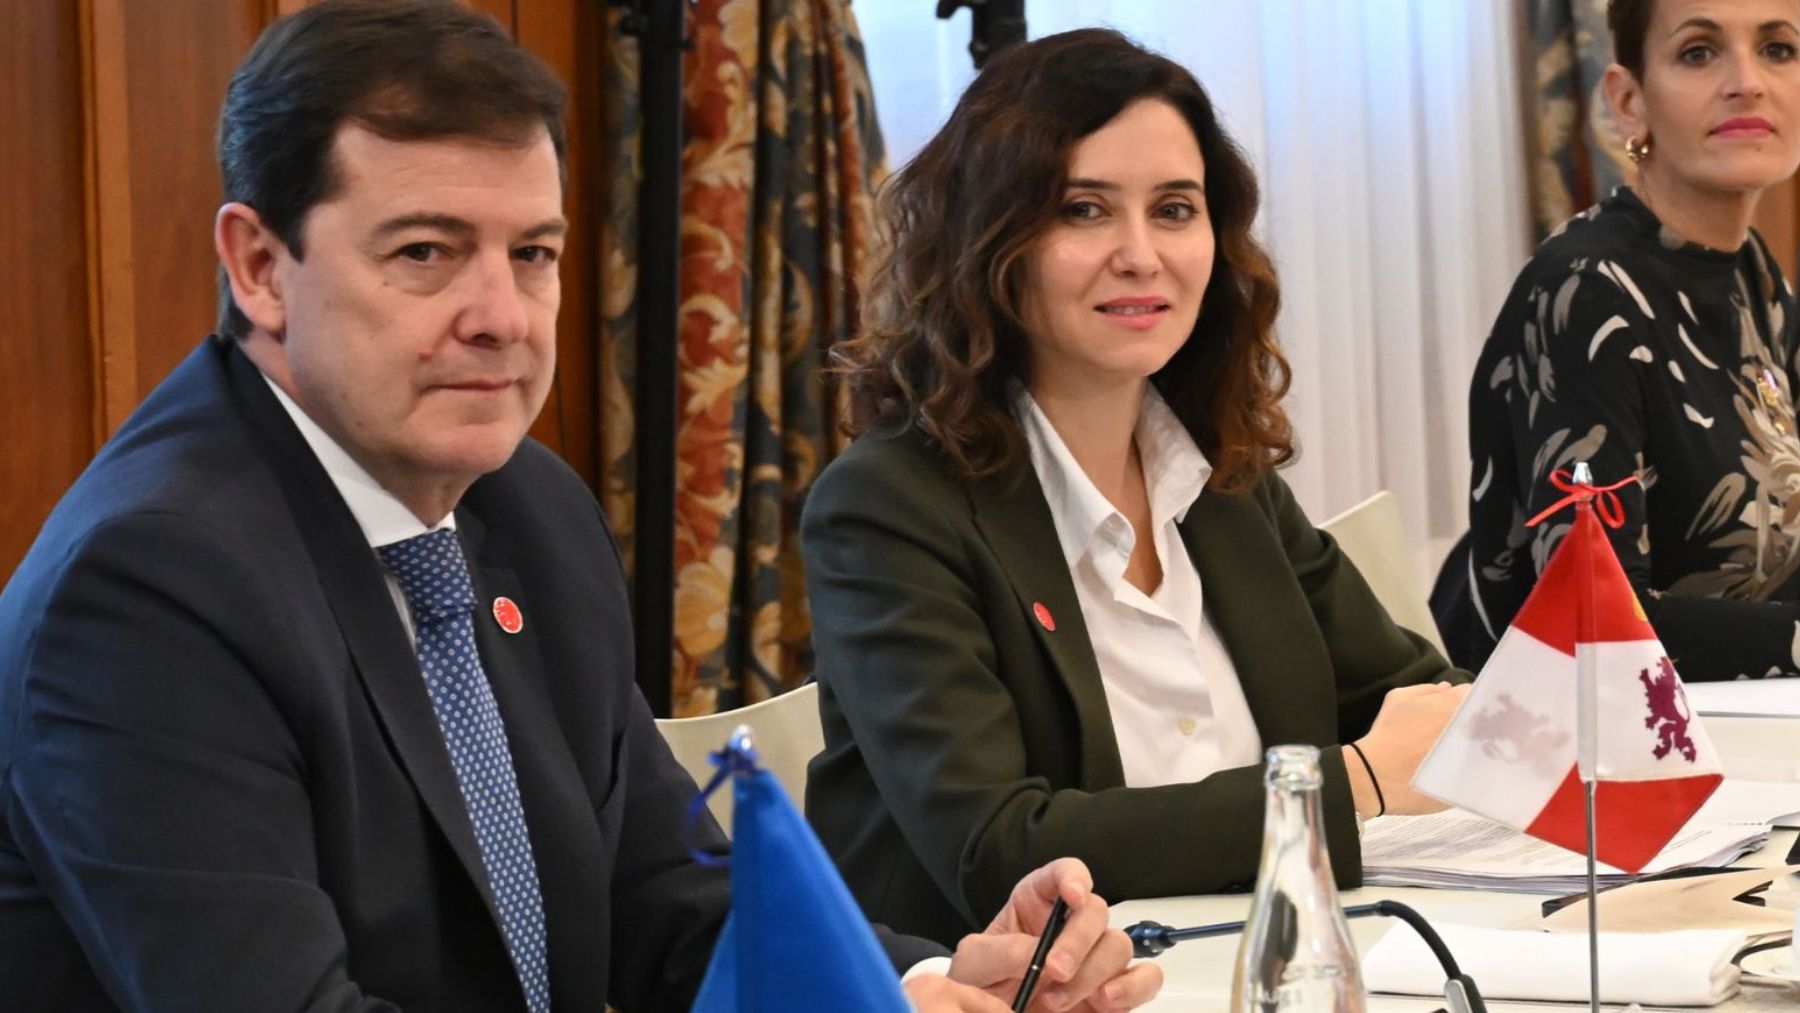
<point>1380,801</point>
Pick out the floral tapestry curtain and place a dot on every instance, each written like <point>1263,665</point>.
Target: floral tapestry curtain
<point>781,158</point>
<point>1575,150</point>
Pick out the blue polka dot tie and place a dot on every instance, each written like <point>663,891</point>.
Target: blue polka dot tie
<point>435,578</point>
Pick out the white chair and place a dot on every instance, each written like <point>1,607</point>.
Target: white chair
<point>785,731</point>
<point>1373,536</point>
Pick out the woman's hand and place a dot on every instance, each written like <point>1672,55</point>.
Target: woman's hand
<point>1409,723</point>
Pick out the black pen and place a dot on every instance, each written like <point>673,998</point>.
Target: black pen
<point>1053,926</point>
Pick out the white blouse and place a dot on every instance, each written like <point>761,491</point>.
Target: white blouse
<point>1178,710</point>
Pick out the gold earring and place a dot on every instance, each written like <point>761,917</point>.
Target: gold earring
<point>1637,150</point>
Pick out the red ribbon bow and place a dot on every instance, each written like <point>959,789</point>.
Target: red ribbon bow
<point>1607,504</point>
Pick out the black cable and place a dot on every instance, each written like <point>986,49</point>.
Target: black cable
<point>1152,939</point>
<point>1395,909</point>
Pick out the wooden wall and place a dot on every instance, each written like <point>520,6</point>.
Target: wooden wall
<point>46,411</point>
<point>108,183</point>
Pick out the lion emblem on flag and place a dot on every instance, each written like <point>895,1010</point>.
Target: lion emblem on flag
<point>1669,714</point>
<point>1512,734</point>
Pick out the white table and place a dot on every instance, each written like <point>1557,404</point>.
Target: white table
<point>1197,974</point>
<point>1757,748</point>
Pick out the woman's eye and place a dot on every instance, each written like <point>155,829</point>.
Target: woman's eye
<point>1177,211</point>
<point>1780,52</point>
<point>1081,210</point>
<point>1695,56</point>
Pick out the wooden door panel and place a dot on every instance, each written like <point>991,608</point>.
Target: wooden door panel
<point>569,34</point>
<point>47,414</point>
<point>158,74</point>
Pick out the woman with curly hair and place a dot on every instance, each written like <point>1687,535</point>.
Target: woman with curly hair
<point>1061,601</point>
<point>1654,335</point>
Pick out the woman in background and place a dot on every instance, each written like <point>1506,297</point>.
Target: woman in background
<point>1654,336</point>
<point>1061,601</point>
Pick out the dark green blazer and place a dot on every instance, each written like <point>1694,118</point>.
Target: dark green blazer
<point>966,744</point>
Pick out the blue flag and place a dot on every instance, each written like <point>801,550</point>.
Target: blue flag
<point>795,939</point>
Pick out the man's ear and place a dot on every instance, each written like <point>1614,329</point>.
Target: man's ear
<point>249,251</point>
<point>1626,98</point>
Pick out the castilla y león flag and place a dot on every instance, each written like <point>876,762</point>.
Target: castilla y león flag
<point>1511,753</point>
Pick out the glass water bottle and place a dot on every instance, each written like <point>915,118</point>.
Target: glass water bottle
<point>1296,952</point>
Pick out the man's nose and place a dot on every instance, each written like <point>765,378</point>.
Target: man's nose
<point>495,310</point>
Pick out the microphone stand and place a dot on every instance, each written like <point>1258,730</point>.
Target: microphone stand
<point>1152,939</point>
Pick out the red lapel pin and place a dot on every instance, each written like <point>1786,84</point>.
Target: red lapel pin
<point>508,615</point>
<point>1044,618</point>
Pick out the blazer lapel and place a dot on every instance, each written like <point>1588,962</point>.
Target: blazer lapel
<point>1014,520</point>
<point>565,836</point>
<point>1260,615</point>
<point>356,589</point>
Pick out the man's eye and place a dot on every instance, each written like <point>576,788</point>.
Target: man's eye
<point>536,254</point>
<point>422,253</point>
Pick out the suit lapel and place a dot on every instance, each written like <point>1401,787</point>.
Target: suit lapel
<point>1259,613</point>
<point>565,836</point>
<point>356,589</point>
<point>1015,522</point>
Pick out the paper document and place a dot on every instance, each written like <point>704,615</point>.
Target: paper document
<point>1462,850</point>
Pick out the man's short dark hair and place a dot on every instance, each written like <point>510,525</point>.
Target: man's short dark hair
<point>404,69</point>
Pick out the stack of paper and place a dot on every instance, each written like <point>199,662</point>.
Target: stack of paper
<point>1691,968</point>
<point>1462,850</point>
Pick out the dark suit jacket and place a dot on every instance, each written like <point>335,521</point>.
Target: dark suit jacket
<point>222,784</point>
<point>966,744</point>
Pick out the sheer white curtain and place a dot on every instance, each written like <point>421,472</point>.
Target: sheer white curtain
<point>1387,134</point>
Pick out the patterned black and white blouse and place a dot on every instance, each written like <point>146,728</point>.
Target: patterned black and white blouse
<point>1623,345</point>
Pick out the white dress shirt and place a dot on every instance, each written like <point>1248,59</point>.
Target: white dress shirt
<point>382,517</point>
<point>1178,710</point>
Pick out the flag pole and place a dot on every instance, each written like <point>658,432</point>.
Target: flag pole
<point>1593,906</point>
<point>1587,726</point>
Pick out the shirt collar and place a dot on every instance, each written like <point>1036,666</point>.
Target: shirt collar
<point>382,517</point>
<point>1175,471</point>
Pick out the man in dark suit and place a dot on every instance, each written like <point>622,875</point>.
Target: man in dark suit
<point>315,690</point>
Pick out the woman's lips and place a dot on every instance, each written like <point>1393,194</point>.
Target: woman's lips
<point>1744,127</point>
<point>1139,314</point>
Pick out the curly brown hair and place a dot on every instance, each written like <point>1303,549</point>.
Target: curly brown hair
<point>943,337</point>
